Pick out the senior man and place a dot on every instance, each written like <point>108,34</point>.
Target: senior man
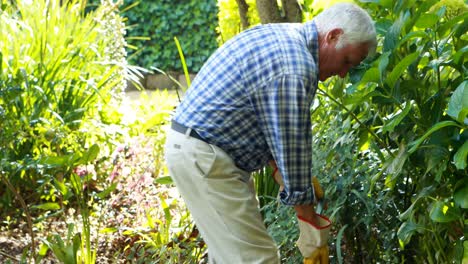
<point>250,105</point>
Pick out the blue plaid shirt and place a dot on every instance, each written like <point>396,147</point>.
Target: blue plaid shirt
<point>252,99</point>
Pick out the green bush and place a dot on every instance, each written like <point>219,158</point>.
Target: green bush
<point>408,108</point>
<point>59,71</point>
<point>192,22</point>
<point>390,142</point>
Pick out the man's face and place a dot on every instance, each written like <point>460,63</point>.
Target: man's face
<point>334,61</point>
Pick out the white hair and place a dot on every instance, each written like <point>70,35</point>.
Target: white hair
<point>357,25</point>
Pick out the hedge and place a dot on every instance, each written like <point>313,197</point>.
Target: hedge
<point>192,22</point>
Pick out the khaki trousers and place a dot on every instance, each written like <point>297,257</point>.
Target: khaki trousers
<point>222,201</point>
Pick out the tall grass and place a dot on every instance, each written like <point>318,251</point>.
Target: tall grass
<point>59,69</point>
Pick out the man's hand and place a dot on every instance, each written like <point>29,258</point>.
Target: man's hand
<point>306,212</point>
<point>314,228</point>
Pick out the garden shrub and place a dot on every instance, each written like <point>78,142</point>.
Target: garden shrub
<point>59,71</point>
<point>409,112</point>
<point>390,142</point>
<point>192,22</point>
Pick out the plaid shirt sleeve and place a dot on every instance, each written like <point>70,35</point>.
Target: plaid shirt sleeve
<point>283,110</point>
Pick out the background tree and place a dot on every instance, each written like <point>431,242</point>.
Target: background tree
<point>270,12</point>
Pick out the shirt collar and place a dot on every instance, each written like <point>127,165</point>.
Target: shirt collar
<point>311,36</point>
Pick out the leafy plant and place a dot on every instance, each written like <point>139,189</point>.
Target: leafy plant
<point>407,105</point>
<point>229,18</point>
<point>51,89</point>
<point>390,141</point>
<point>193,22</point>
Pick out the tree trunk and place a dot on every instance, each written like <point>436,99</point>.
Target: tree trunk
<point>243,9</point>
<point>292,11</point>
<point>269,12</point>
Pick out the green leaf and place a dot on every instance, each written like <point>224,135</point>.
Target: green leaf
<point>164,180</point>
<point>43,249</point>
<point>396,166</point>
<point>383,63</point>
<point>461,197</point>
<point>108,230</point>
<point>371,75</point>
<point>65,160</point>
<point>400,68</point>
<point>407,229</point>
<point>47,206</point>
<point>393,33</point>
<point>422,194</point>
<point>458,105</point>
<point>339,237</point>
<point>107,191</point>
<point>442,212</point>
<point>415,144</point>
<point>90,155</point>
<point>460,156</point>
<point>427,20</point>
<point>396,118</point>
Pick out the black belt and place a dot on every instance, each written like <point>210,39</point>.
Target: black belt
<point>182,129</point>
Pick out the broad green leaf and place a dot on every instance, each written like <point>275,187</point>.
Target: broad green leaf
<point>396,166</point>
<point>90,155</point>
<point>436,158</point>
<point>458,105</point>
<point>364,140</point>
<point>383,63</point>
<point>371,75</point>
<point>461,197</point>
<point>407,229</point>
<point>442,212</point>
<point>47,206</point>
<point>393,33</point>
<point>427,20</point>
<point>164,180</point>
<point>415,144</point>
<point>422,194</point>
<point>338,88</point>
<point>415,34</point>
<point>61,187</point>
<point>409,212</point>
<point>460,156</point>
<point>396,118</point>
<point>65,160</point>
<point>43,249</point>
<point>400,68</point>
<point>460,55</point>
<point>450,25</point>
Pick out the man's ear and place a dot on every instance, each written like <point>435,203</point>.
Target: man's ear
<point>334,35</point>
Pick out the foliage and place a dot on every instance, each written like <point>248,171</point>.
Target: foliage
<point>147,219</point>
<point>408,106</point>
<point>229,18</point>
<point>192,22</point>
<point>52,90</point>
<point>390,141</point>
<point>281,224</point>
